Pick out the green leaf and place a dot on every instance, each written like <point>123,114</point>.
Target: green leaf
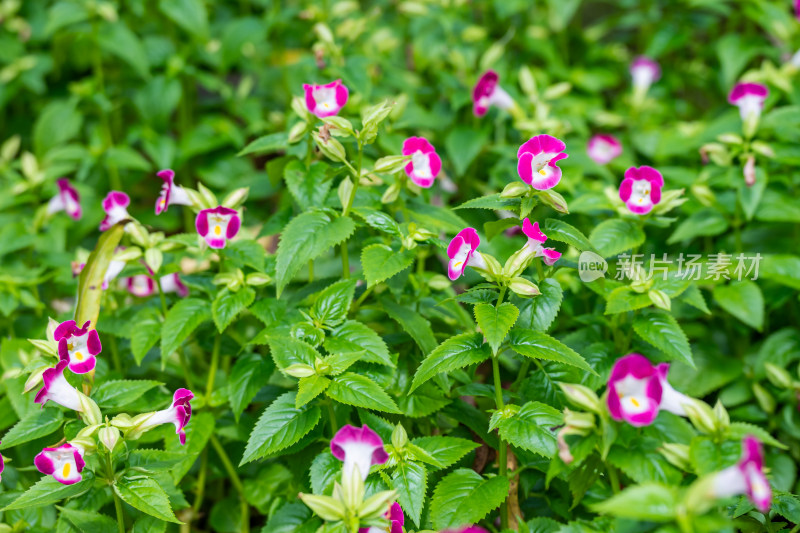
<point>532,428</point>
<point>47,491</point>
<point>559,230</point>
<point>660,329</point>
<point>614,236</point>
<point>380,262</point>
<point>324,469</point>
<point>90,281</point>
<point>456,352</point>
<point>117,39</point>
<point>146,495</point>
<point>246,252</point>
<point>88,521</point>
<point>624,299</point>
<point>287,351</point>
<point>464,497</point>
<point>547,304</point>
<point>412,323</point>
<point>538,345</point>
<point>121,392</point>
<point>358,390</point>
<point>787,505</point>
<point>268,144</point>
<point>378,220</point>
<point>333,303</point>
<point>648,501</point>
<point>280,426</point>
<point>305,238</point>
<point>309,388</point>
<point>742,299</point>
<point>190,15</point>
<point>58,122</point>
<point>146,333</point>
<point>446,450</point>
<point>37,424</point>
<point>353,336</point>
<point>463,144</point>
<point>783,269</point>
<point>492,201</point>
<point>738,430</point>
<point>309,187</point>
<point>495,322</point>
<point>248,375</point>
<point>184,317</point>
<point>641,461</point>
<point>706,222</point>
<point>410,480</point>
<point>293,517</point>
<point>228,304</point>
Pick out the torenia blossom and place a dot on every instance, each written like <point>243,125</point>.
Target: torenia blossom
<point>171,193</point>
<point>173,283</point>
<point>535,241</point>
<point>64,463</point>
<point>179,414</point>
<point>140,285</point>
<point>637,391</point>
<point>326,100</point>
<point>603,148</point>
<point>487,93</point>
<point>67,200</point>
<point>463,252</point>
<point>644,72</point>
<point>641,189</point>
<point>57,388</point>
<point>2,466</point>
<point>359,449</point>
<point>749,98</point>
<point>425,163</point>
<point>115,204</point>
<point>217,225</point>
<point>746,477</point>
<point>396,520</point>
<point>537,161</point>
<point>79,346</point>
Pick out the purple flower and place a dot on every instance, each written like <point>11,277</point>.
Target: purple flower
<point>173,283</point>
<point>179,414</point>
<point>171,194</point>
<point>425,163</point>
<point>67,200</point>
<point>78,345</point>
<point>462,252</point>
<point>140,285</point>
<point>535,240</point>
<point>746,477</point>
<point>537,161</point>
<point>2,466</point>
<point>326,100</point>
<point>487,93</point>
<point>115,204</point>
<point>64,463</point>
<point>57,388</point>
<point>359,449</point>
<point>749,98</point>
<point>637,391</point>
<point>396,520</point>
<point>644,72</point>
<point>641,189</point>
<point>603,148</point>
<point>217,225</point>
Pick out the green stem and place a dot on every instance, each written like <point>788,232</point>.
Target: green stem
<point>201,482</point>
<point>332,418</point>
<point>235,481</point>
<point>115,354</point>
<point>502,294</point>
<point>613,478</point>
<point>346,209</point>
<point>502,461</point>
<point>213,370</point>
<point>361,299</point>
<point>117,501</point>
<point>161,296</point>
<point>345,261</point>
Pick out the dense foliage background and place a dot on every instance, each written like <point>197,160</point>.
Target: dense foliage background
<point>107,93</point>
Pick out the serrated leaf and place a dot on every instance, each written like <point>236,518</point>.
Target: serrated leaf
<point>333,303</point>
<point>146,495</point>
<point>744,300</point>
<point>495,322</point>
<point>379,262</point>
<point>88,521</point>
<point>532,428</point>
<point>287,351</point>
<point>358,390</point>
<point>155,459</point>
<point>412,323</point>
<point>456,352</point>
<point>306,237</point>
<point>446,450</point>
<point>558,230</point>
<point>190,15</point>
<point>641,461</point>
<point>267,144</point>
<point>248,375</point>
<point>47,491</point>
<point>378,220</point>
<point>648,501</point>
<point>624,299</point>
<point>184,317</point>
<point>146,333</point>
<point>492,201</point>
<point>37,424</point>
<point>352,336</point>
<point>309,388</point>
<point>614,236</point>
<point>538,345</point>
<point>228,304</point>
<point>324,469</point>
<point>662,331</point>
<point>121,392</point>
<point>410,480</point>
<point>245,252</point>
<point>464,497</point>
<point>293,517</point>
<point>547,304</point>
<point>739,430</point>
<point>309,187</point>
<point>281,425</point>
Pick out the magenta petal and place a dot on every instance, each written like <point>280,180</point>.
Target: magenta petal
<point>524,167</point>
<point>341,93</point>
<point>346,434</point>
<point>233,226</point>
<point>87,365</point>
<point>64,330</point>
<point>532,231</point>
<point>43,463</point>
<point>93,343</point>
<point>201,222</point>
<point>625,189</point>
<point>396,514</point>
<point>549,143</point>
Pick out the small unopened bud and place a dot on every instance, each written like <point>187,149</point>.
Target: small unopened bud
<point>763,149</point>
<point>299,370</point>
<point>557,91</point>
<point>701,415</point>
<point>257,279</point>
<point>375,506</point>
<point>730,138</point>
<point>209,198</point>
<point>109,436</point>
<point>344,191</point>
<point>377,114</point>
<point>138,233</point>
<point>391,164</point>
<point>297,132</point>
<point>90,410</point>
<point>154,258</point>
<point>677,454</point>
<point>750,125</point>
<point>325,507</point>
<point>778,376</point>
<point>330,148</point>
<point>582,396</point>
<point>554,200</point>
<point>438,282</point>
<point>518,262</point>
<point>660,299</point>
<point>236,198</point>
<point>123,421</point>
<point>515,189</point>
<point>391,194</point>
<point>399,437</point>
<point>130,253</point>
<point>353,488</point>
<point>721,414</point>
<point>34,379</point>
<point>750,171</point>
<point>340,127</point>
<point>578,421</point>
<point>764,398</point>
<point>523,287</point>
<point>10,148</point>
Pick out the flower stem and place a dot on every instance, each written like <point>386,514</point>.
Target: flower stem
<point>502,462</point>
<point>346,209</point>
<point>332,417</point>
<point>120,516</point>
<point>613,478</point>
<point>212,371</point>
<point>115,354</point>
<point>161,296</point>
<point>201,482</point>
<point>235,481</point>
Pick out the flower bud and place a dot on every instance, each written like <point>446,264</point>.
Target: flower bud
<point>154,258</point>
<point>703,193</point>
<point>763,149</point>
<point>197,199</point>
<point>376,114</point>
<point>375,506</point>
<point>89,431</point>
<point>109,436</point>
<point>341,127</point>
<point>344,191</point>
<point>750,125</point>
<point>257,279</point>
<point>299,107</point>
<point>122,421</point>
<point>515,189</point>
<point>701,415</point>
<point>330,148</point>
<point>439,282</point>
<point>391,194</point>
<point>209,198</point>
<point>391,164</point>
<point>353,489</point>
<point>518,262</point>
<point>721,414</point>
<point>523,287</point>
<point>299,370</point>
<point>527,81</point>
<point>677,454</point>
<point>730,138</point>
<point>10,148</point>
<point>130,253</point>
<point>764,398</point>
<point>718,153</point>
<point>236,198</point>
<point>91,413</point>
<point>297,132</point>
<point>34,379</point>
<point>778,376</point>
<point>582,396</point>
<point>579,421</point>
<point>399,437</point>
<point>138,233</point>
<point>558,90</point>
<point>554,200</point>
<point>660,299</point>
<point>85,443</point>
<point>325,507</point>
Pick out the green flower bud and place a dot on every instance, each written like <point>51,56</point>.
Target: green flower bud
<point>582,396</point>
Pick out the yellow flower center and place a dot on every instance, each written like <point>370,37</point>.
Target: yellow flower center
<point>217,230</point>
<point>65,470</point>
<point>635,402</point>
<point>79,356</point>
<point>543,172</point>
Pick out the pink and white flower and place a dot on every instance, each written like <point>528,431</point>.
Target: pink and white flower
<point>749,98</point>
<point>78,345</point>
<point>172,283</point>
<point>57,389</point>
<point>396,520</point>
<point>217,225</point>
<point>425,163</point>
<point>644,72</point>
<point>2,466</point>
<point>487,92</point>
<point>115,204</point>
<point>463,252</point>
<point>535,241</point>
<point>603,148</point>
<point>359,449</point>
<point>64,463</point>
<point>171,193</point>
<point>326,100</point>
<point>641,189</point>
<point>537,161</point>
<point>179,414</point>
<point>67,200</point>
<point>140,285</point>
<point>637,391</point>
<point>746,477</point>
